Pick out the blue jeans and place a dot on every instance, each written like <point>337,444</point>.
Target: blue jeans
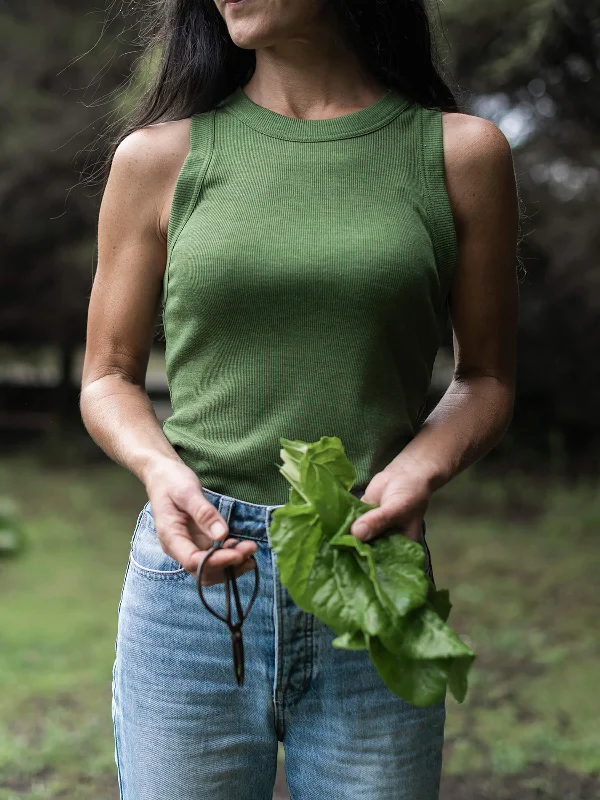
<point>183,728</point>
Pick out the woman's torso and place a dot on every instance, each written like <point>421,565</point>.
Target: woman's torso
<point>306,286</point>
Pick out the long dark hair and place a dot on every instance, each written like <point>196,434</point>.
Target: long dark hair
<point>199,64</point>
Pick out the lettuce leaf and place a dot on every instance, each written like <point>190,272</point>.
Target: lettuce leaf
<point>374,596</point>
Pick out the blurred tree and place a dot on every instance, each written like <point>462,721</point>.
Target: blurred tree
<point>531,66</point>
<point>534,68</point>
<point>55,56</point>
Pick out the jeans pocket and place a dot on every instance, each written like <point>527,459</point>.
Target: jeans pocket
<point>147,556</point>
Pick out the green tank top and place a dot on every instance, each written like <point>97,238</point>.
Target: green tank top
<point>306,287</point>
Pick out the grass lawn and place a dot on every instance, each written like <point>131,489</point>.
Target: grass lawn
<point>520,557</point>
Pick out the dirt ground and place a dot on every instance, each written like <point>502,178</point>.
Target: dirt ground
<point>538,783</point>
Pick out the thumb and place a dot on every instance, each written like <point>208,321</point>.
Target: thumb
<point>206,517</point>
<point>371,523</point>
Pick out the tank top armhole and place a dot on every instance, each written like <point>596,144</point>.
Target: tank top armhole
<point>188,183</point>
<point>439,210</point>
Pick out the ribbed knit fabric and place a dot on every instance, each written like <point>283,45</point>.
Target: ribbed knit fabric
<point>305,292</point>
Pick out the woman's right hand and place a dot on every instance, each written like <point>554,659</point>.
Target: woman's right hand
<point>187,523</point>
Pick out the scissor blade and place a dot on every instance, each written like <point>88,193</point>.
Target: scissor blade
<point>238,656</point>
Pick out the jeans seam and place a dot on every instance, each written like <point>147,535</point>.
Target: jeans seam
<point>114,677</point>
<point>147,572</point>
<point>158,575</point>
<point>307,651</point>
<point>307,662</point>
<point>116,735</point>
<point>278,704</point>
<point>224,508</point>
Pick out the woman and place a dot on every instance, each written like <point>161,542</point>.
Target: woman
<point>301,196</point>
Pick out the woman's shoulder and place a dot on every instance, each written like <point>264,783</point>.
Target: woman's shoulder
<point>154,151</point>
<point>472,142</point>
<point>147,162</point>
<point>477,158</point>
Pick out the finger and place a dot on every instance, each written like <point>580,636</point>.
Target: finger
<point>179,545</point>
<point>183,549</point>
<point>374,522</point>
<point>210,578</point>
<point>230,554</point>
<point>205,516</point>
<point>239,557</point>
<point>248,565</point>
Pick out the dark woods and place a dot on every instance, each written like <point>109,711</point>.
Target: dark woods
<point>82,77</point>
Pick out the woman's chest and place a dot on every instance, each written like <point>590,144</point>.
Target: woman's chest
<point>316,235</point>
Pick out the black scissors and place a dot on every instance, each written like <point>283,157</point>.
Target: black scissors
<point>235,628</point>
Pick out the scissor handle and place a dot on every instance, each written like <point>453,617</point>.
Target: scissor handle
<point>230,582</point>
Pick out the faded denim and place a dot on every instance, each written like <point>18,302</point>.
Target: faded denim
<point>183,728</point>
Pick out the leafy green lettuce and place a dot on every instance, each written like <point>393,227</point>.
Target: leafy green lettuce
<point>374,596</point>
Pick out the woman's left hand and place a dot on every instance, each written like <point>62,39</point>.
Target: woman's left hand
<point>402,498</point>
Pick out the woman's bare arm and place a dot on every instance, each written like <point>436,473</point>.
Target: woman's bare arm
<point>123,310</point>
<point>124,303</point>
<point>476,410</point>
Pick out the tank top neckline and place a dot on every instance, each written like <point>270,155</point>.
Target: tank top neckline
<point>280,126</point>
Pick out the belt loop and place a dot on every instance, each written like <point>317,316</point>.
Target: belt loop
<point>225,506</point>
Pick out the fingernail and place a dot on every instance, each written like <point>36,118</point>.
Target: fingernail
<point>360,529</point>
<point>218,530</point>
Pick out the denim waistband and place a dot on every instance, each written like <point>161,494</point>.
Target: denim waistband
<point>245,520</point>
<point>252,521</point>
